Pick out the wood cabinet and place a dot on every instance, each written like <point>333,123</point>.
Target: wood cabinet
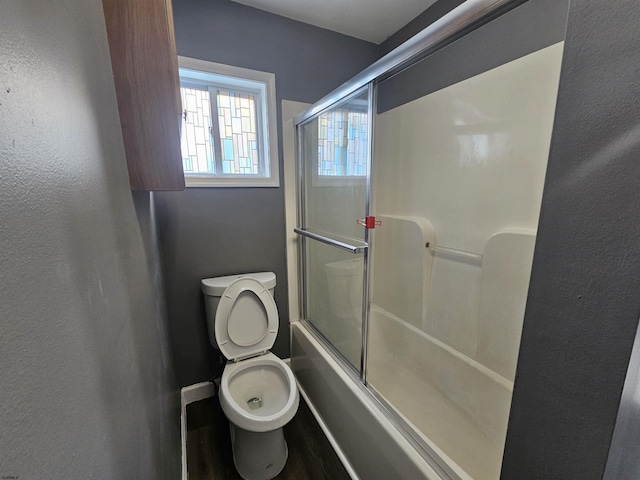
<point>145,69</point>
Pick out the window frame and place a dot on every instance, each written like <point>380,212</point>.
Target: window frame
<point>261,84</point>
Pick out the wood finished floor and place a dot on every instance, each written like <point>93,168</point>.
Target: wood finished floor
<point>209,455</point>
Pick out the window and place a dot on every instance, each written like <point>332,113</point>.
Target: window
<point>342,143</point>
<point>229,127</point>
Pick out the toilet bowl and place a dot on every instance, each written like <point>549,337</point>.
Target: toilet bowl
<point>258,393</point>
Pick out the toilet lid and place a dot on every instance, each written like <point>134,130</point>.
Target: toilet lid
<point>246,321</point>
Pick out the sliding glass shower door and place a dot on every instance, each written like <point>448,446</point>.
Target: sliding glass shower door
<point>428,307</point>
<point>334,157</point>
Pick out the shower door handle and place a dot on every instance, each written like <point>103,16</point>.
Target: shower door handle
<point>331,241</point>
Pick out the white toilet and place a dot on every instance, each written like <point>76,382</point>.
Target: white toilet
<point>258,391</point>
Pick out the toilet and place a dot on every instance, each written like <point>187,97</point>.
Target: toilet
<point>258,392</point>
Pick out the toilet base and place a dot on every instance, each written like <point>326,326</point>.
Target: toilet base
<point>258,455</point>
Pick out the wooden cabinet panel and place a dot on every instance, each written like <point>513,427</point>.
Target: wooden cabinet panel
<point>145,69</point>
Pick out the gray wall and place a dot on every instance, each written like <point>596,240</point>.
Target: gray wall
<point>584,297</point>
<point>422,21</point>
<point>208,232</point>
<point>527,28</point>
<point>86,384</point>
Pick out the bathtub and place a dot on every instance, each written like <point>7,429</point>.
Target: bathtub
<point>373,446</point>
<point>454,408</point>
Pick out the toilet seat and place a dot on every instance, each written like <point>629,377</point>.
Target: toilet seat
<point>246,322</point>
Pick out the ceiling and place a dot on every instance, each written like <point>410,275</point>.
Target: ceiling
<point>371,20</point>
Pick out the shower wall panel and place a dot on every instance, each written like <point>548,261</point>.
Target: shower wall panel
<point>469,160</point>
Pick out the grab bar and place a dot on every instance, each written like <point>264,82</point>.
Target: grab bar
<point>331,241</point>
<point>454,251</point>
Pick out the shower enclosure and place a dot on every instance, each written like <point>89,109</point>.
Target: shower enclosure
<point>419,198</point>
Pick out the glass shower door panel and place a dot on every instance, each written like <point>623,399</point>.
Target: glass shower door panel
<point>336,157</point>
<point>333,296</point>
<point>334,195</point>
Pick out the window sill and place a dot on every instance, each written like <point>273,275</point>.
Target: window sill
<point>194,181</point>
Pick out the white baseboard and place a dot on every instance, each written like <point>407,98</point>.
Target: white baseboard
<point>190,394</point>
<point>197,392</point>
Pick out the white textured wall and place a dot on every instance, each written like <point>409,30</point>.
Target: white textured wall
<point>471,160</point>
<point>86,384</point>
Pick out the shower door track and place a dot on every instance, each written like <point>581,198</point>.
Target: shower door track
<point>463,19</point>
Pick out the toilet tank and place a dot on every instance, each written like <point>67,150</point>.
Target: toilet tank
<point>213,288</point>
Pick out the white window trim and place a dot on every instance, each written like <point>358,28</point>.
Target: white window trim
<point>270,116</point>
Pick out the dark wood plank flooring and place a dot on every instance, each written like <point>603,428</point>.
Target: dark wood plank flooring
<point>209,455</point>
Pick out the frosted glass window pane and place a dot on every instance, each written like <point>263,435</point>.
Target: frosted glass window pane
<point>342,141</point>
<point>236,116</point>
<point>196,145</point>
